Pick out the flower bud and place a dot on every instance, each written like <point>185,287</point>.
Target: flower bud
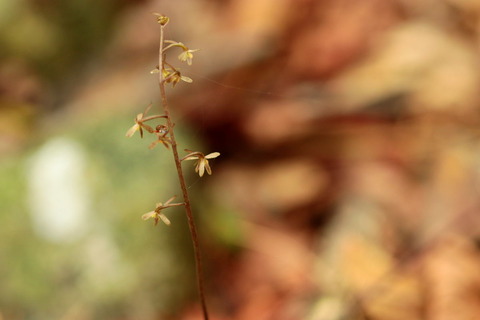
<point>161,19</point>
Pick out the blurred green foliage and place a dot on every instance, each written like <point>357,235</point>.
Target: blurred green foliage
<point>123,265</point>
<point>55,36</point>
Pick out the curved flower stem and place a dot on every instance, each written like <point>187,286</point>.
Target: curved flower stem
<point>153,117</point>
<point>183,185</point>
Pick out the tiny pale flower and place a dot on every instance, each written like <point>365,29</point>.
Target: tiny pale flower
<point>157,214</point>
<point>139,124</point>
<point>174,76</point>
<point>161,19</point>
<point>156,217</point>
<point>186,55</point>
<point>202,164</point>
<point>161,138</point>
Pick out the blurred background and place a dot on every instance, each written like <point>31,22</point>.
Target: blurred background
<point>348,185</point>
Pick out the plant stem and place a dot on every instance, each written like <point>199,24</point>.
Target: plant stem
<point>183,185</point>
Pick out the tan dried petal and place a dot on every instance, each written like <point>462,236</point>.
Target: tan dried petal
<point>201,167</point>
<point>169,200</point>
<point>132,130</point>
<point>186,79</point>
<point>149,215</point>
<point>164,219</point>
<point>212,155</point>
<point>207,167</point>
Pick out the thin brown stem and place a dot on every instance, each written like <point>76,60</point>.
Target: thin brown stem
<point>183,185</point>
<point>153,117</point>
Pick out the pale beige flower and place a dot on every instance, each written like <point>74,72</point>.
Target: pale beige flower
<point>174,76</point>
<point>186,55</point>
<point>139,124</point>
<point>157,214</point>
<point>202,164</point>
<point>161,138</point>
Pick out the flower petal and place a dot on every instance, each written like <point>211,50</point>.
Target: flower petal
<point>147,108</point>
<point>191,158</point>
<point>165,144</point>
<point>186,79</point>
<point>212,155</point>
<point>169,200</point>
<point>153,144</point>
<point>149,215</point>
<point>183,56</point>
<point>207,167</point>
<point>147,127</point>
<point>164,219</point>
<point>132,130</point>
<point>201,167</point>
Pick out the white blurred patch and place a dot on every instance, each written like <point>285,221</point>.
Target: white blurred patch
<point>58,193</point>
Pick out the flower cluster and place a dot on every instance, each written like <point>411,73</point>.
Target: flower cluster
<point>171,74</point>
<point>164,132</point>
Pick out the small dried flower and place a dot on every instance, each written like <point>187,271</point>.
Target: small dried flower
<point>157,213</point>
<point>186,55</point>
<point>139,124</point>
<point>161,138</point>
<point>161,19</point>
<point>202,164</point>
<point>174,76</point>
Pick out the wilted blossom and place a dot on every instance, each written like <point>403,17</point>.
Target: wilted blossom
<point>174,76</point>
<point>160,139</point>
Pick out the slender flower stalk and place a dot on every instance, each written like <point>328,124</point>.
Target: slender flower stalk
<point>164,133</point>
<point>162,20</point>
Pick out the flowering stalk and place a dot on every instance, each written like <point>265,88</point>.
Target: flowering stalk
<point>162,79</point>
<point>165,135</point>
